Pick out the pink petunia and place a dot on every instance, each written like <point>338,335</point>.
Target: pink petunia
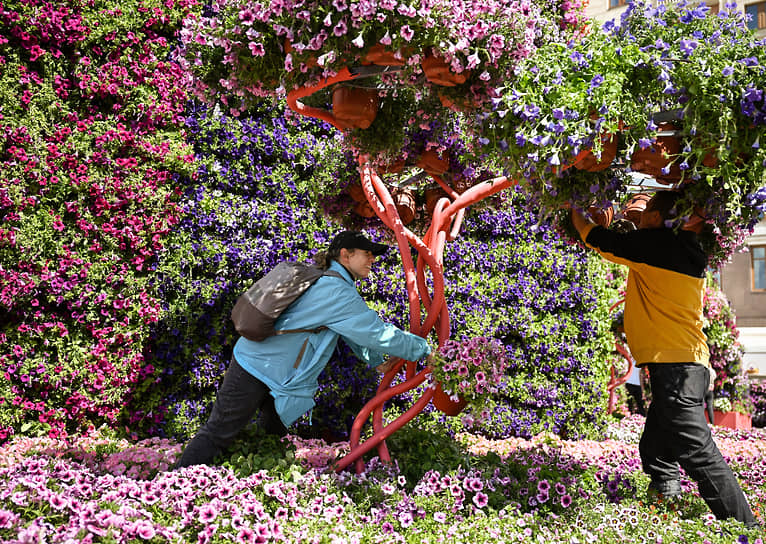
<point>480,499</point>
<point>341,28</point>
<point>257,49</point>
<point>407,33</point>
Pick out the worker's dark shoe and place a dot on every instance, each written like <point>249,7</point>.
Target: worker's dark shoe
<point>669,489</point>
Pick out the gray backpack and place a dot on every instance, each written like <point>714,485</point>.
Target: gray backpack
<point>258,308</point>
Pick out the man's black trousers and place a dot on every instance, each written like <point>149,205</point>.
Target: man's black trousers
<point>676,433</point>
<point>240,397</point>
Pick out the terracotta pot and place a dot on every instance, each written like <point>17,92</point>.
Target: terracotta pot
<point>696,222</point>
<point>430,162</point>
<point>438,71</point>
<point>356,192</point>
<point>405,204</point>
<point>602,217</point>
<point>354,107</point>
<point>462,105</point>
<point>444,404</point>
<point>732,420</point>
<point>654,158</point>
<point>710,160</point>
<point>432,196</point>
<point>587,161</point>
<point>633,207</point>
<point>378,54</point>
<point>364,209</point>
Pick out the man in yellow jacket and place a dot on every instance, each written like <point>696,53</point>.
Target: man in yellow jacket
<point>663,325</point>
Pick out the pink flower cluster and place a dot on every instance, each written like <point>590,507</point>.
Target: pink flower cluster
<point>284,44</point>
<point>86,202</point>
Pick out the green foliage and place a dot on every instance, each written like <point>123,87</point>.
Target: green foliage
<point>255,450</point>
<point>418,450</point>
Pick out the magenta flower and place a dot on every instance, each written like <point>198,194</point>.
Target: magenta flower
<point>480,499</point>
<point>207,513</point>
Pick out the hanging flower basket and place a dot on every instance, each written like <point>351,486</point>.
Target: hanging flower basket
<point>310,62</point>
<point>379,55</point>
<point>431,197</point>
<point>433,164</point>
<point>356,192</point>
<point>445,404</point>
<point>354,107</point>
<point>587,161</point>
<point>634,207</point>
<point>601,216</point>
<point>364,209</point>
<point>696,222</point>
<point>404,199</point>
<point>656,159</point>
<point>438,71</point>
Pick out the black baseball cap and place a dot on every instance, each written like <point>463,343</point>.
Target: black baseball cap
<point>351,239</point>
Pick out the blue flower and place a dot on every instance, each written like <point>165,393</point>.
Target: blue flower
<point>688,46</point>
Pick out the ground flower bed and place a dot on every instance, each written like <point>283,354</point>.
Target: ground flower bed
<point>97,489</point>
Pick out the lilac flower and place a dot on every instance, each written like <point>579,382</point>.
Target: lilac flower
<point>596,82</point>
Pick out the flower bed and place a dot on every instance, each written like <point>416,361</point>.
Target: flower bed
<point>512,490</point>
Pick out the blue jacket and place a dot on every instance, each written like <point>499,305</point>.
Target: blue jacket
<point>336,304</point>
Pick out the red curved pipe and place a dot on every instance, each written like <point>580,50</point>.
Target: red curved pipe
<point>294,96</point>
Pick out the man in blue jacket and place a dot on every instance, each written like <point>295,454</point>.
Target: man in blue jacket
<point>278,376</point>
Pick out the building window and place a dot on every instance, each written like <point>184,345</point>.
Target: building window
<point>757,13</point>
<point>617,3</point>
<point>758,259</point>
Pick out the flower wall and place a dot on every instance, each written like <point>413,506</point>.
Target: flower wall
<point>89,147</point>
<point>247,208</point>
<point>251,205</point>
<point>132,219</point>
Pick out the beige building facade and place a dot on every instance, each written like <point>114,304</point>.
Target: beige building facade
<point>744,282</point>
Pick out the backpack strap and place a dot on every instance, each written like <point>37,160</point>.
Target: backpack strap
<point>310,331</point>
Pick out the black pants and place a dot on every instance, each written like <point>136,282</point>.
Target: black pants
<point>240,397</point>
<point>709,398</point>
<point>676,433</point>
<point>638,395</point>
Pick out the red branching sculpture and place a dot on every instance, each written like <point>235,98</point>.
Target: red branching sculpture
<point>445,226</point>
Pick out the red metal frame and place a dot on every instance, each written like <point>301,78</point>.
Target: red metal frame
<point>445,226</point>
<point>614,380</point>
